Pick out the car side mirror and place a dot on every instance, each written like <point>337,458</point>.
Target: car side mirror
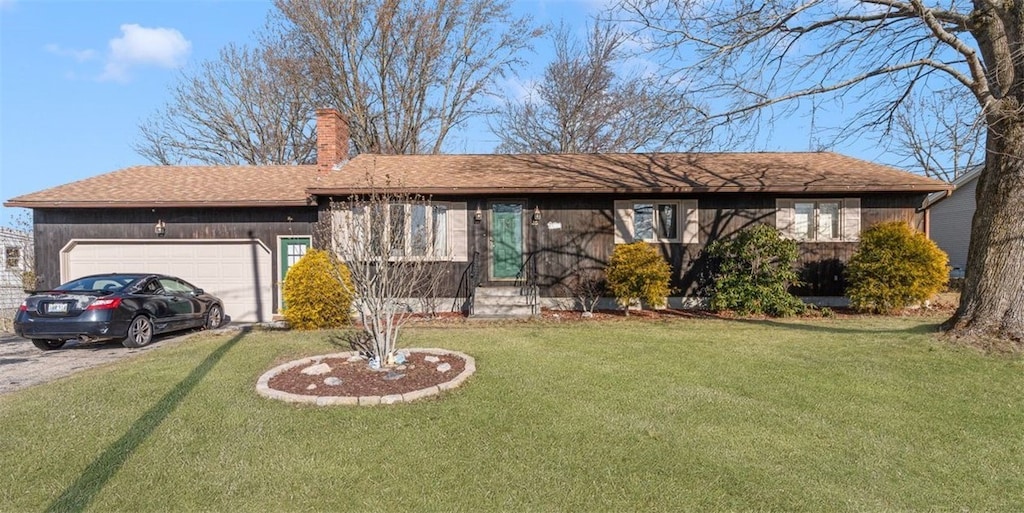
<point>196,292</point>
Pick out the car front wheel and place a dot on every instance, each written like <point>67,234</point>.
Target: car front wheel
<point>140,332</point>
<point>48,345</point>
<point>214,318</point>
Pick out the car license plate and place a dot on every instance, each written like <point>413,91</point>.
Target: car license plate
<point>57,308</point>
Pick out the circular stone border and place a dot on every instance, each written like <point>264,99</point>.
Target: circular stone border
<point>263,384</point>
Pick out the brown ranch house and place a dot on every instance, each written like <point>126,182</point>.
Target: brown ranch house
<point>235,230</point>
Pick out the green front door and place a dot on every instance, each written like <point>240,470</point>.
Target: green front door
<point>290,249</point>
<point>507,240</point>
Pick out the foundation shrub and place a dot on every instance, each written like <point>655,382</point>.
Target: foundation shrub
<point>751,273</point>
<point>638,271</point>
<point>318,292</point>
<point>895,267</point>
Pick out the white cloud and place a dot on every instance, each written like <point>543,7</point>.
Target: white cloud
<point>78,55</point>
<point>142,46</point>
<point>519,90</point>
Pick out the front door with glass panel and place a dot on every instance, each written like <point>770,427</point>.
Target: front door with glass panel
<point>506,240</point>
<point>291,249</point>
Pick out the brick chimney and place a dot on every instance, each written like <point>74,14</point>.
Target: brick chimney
<point>331,139</point>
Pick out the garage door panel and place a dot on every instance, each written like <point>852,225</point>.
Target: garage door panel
<point>238,272</point>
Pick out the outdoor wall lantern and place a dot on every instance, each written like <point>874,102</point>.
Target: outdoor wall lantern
<point>535,219</point>
<point>478,215</point>
<point>160,228</point>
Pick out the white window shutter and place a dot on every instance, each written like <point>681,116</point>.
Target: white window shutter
<point>784,217</point>
<point>341,238</point>
<point>623,221</point>
<point>458,232</point>
<point>851,219</point>
<point>691,230</point>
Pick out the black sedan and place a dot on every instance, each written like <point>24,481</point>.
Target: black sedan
<point>127,307</point>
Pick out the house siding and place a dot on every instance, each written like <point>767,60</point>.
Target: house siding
<point>575,231</point>
<point>951,225</point>
<point>54,228</point>
<point>11,272</point>
<point>578,231</point>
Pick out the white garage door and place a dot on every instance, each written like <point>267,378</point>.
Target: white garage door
<point>236,271</point>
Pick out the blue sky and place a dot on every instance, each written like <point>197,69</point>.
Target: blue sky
<point>77,78</point>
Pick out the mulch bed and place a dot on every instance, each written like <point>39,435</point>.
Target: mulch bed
<point>358,379</point>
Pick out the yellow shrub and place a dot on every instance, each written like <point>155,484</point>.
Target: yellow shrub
<point>638,271</point>
<point>318,292</point>
<point>894,267</point>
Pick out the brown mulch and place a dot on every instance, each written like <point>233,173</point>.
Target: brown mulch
<point>358,379</point>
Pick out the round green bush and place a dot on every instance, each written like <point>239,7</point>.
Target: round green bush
<point>751,273</point>
<point>637,271</point>
<point>318,292</point>
<point>894,267</point>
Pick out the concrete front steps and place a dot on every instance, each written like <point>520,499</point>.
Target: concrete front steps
<point>501,303</point>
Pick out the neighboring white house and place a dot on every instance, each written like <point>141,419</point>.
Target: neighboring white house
<point>15,260</point>
<point>950,219</point>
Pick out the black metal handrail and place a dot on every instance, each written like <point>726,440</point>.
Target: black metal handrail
<point>526,280</point>
<point>467,287</point>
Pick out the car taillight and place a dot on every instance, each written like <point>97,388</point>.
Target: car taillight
<point>108,303</point>
<point>23,307</point>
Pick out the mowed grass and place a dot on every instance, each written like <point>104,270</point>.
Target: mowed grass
<point>871,414</point>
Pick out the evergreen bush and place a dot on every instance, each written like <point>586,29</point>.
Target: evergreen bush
<point>751,273</point>
<point>318,292</point>
<point>637,271</point>
<point>894,267</point>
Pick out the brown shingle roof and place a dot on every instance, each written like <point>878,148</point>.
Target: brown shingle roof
<point>176,186</point>
<point>664,172</point>
<point>236,186</point>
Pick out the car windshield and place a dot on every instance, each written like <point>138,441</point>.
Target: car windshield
<point>114,283</point>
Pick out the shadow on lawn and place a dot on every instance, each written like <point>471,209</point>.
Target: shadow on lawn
<point>922,329</point>
<point>78,496</point>
<point>838,325</point>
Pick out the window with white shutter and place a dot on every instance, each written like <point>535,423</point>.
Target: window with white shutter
<point>656,220</point>
<point>818,220</point>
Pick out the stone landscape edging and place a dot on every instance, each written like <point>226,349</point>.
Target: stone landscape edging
<point>263,384</point>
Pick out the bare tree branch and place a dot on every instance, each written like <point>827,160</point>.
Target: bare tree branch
<point>940,136</point>
<point>239,109</point>
<point>405,73</point>
<point>395,247</point>
<point>585,105</point>
<point>888,56</point>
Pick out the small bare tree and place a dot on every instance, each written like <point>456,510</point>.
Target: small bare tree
<point>395,246</point>
<point>589,102</point>
<point>586,287</point>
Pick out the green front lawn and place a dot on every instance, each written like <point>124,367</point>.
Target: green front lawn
<point>869,414</point>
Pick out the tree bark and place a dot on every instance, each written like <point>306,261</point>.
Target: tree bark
<point>992,300</point>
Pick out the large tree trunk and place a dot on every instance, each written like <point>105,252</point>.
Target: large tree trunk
<point>992,302</point>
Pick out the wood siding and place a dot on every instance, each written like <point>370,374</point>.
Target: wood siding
<point>577,232</point>
<point>54,228</point>
<point>574,232</point>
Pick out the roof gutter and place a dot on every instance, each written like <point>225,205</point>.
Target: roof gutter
<point>148,204</point>
<point>341,191</point>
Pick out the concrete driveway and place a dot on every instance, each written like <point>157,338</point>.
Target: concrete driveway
<point>23,365</point>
